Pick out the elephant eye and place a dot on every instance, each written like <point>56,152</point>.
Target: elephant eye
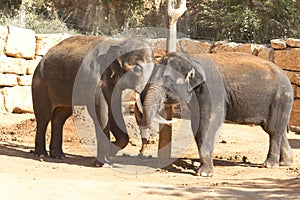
<point>137,69</point>
<point>167,79</point>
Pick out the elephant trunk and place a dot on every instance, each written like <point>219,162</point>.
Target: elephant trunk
<point>152,98</point>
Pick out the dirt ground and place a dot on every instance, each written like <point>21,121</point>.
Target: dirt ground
<point>238,155</point>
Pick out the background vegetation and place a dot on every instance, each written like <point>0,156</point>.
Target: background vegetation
<point>234,20</point>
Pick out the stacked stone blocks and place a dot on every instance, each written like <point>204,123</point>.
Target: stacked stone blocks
<point>22,49</point>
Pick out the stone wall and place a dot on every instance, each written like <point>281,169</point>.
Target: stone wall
<point>20,52</point>
<point>22,49</point>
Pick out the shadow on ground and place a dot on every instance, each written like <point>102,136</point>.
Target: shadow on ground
<point>175,165</point>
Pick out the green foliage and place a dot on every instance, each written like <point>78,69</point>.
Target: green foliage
<point>233,20</point>
<point>246,21</point>
<point>134,12</point>
<point>39,16</point>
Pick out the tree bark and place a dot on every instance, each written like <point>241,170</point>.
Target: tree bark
<point>165,136</point>
<point>174,11</point>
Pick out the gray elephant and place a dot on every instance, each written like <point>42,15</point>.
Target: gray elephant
<point>238,87</point>
<point>91,71</point>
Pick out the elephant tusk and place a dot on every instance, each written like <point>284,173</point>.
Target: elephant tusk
<point>159,119</point>
<point>139,102</point>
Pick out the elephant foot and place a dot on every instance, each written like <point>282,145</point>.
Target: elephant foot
<point>57,154</point>
<point>205,171</point>
<point>144,145</point>
<point>271,163</point>
<point>40,153</point>
<point>105,164</point>
<point>286,159</point>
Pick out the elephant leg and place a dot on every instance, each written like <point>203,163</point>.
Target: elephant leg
<point>280,151</point>
<point>117,124</point>
<point>40,137</point>
<point>59,117</point>
<point>286,153</point>
<point>205,140</point>
<point>43,113</point>
<point>98,111</point>
<point>200,125</point>
<point>118,129</point>
<point>206,122</point>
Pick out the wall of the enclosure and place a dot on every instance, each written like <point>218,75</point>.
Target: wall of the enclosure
<point>22,49</point>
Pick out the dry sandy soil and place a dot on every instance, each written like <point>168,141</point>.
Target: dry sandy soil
<point>238,174</point>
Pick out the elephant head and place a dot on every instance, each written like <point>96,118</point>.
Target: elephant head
<point>131,63</point>
<point>173,80</point>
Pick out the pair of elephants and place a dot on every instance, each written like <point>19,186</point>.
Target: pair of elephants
<point>93,71</point>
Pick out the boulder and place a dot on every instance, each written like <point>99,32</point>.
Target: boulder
<point>13,65</point>
<point>45,41</point>
<point>288,59</point>
<point>278,44</point>
<point>2,107</point>
<point>294,77</point>
<point>193,46</point>
<point>18,99</point>
<point>24,80</point>
<point>293,42</point>
<point>159,46</point>
<point>8,80</point>
<point>21,43</point>
<point>222,46</point>
<point>296,90</point>
<point>245,48</point>
<point>32,64</point>
<point>266,53</point>
<point>3,36</point>
<point>295,115</point>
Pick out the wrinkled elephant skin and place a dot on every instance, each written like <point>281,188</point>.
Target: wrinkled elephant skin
<point>91,71</point>
<point>238,87</point>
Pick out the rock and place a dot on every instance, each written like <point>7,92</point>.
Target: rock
<point>3,36</point>
<point>32,64</point>
<point>297,93</point>
<point>288,59</point>
<point>8,80</point>
<point>293,42</point>
<point>222,46</point>
<point>193,46</point>
<point>294,77</point>
<point>245,48</point>
<point>159,46</point>
<point>2,107</point>
<point>13,65</point>
<point>24,80</point>
<point>295,115</point>
<point>278,44</point>
<point>296,105</point>
<point>18,99</point>
<point>266,53</point>
<point>45,41</point>
<point>21,43</point>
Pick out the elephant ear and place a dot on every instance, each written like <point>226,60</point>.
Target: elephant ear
<point>194,78</point>
<point>113,59</point>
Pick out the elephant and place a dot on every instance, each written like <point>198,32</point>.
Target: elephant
<point>91,71</point>
<point>237,87</point>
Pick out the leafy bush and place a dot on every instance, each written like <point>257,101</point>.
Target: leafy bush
<point>246,21</point>
<point>234,20</point>
<point>39,16</point>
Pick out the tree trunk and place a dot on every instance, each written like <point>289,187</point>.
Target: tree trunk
<point>22,19</point>
<point>174,11</point>
<point>165,136</point>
